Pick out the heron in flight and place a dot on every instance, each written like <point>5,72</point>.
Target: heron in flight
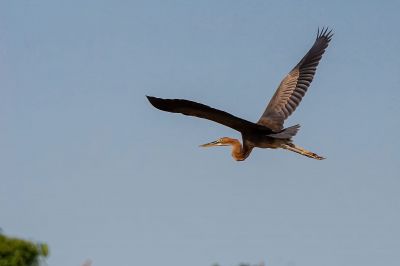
<point>268,132</point>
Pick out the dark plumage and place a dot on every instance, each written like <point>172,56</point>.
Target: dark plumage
<point>294,86</point>
<point>268,132</point>
<point>203,111</point>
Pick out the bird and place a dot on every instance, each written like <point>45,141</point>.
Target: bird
<point>268,131</point>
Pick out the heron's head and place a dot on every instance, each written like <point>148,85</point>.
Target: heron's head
<point>225,141</point>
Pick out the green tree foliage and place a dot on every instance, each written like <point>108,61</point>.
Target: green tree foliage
<point>18,252</point>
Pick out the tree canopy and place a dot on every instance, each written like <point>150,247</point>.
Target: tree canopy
<point>19,252</point>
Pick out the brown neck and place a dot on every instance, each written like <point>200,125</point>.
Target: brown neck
<point>237,150</point>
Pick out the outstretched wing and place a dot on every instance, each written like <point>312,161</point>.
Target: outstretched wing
<point>293,87</point>
<point>203,111</point>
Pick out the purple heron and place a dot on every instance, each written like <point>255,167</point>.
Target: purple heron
<point>268,132</point>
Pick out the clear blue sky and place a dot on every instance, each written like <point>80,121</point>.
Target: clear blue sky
<point>88,166</point>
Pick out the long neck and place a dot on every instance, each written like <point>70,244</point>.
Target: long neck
<point>237,150</point>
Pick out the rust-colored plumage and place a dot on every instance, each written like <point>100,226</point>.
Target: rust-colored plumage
<point>268,132</point>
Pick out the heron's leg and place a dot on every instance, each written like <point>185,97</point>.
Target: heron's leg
<point>302,151</point>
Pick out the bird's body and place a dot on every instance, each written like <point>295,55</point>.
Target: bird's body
<point>268,132</point>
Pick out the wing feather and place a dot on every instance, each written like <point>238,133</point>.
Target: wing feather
<point>191,108</point>
<point>294,86</point>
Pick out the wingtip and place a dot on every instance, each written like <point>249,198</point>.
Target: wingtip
<point>152,100</point>
<point>159,103</point>
<point>325,32</point>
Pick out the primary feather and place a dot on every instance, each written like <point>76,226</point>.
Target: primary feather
<point>294,86</point>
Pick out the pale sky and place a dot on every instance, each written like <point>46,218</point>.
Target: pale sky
<point>89,167</point>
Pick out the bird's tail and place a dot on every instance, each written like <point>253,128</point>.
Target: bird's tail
<point>287,133</point>
<point>302,151</point>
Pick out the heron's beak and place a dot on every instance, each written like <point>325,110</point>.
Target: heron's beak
<point>211,144</point>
